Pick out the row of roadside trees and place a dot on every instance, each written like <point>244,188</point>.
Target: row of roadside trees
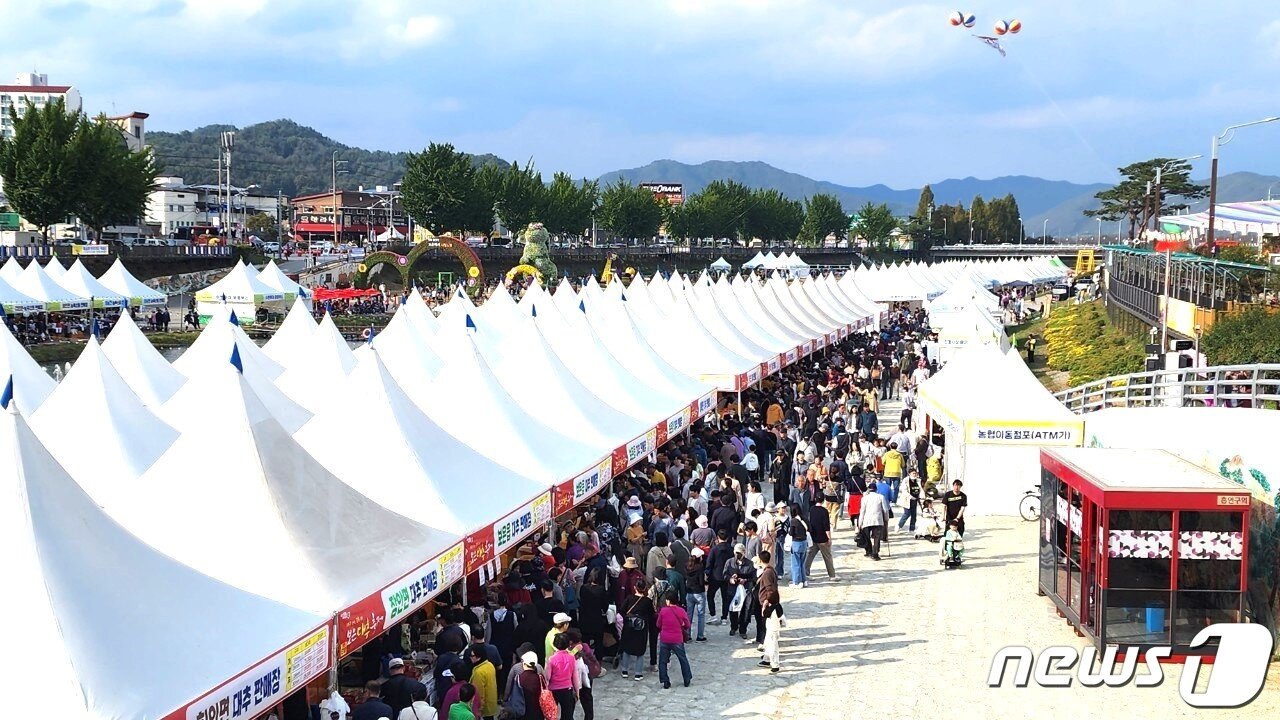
<point>445,191</point>
<point>58,164</point>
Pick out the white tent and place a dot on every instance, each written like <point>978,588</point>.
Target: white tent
<point>98,426</point>
<point>120,280</point>
<point>970,326</point>
<point>417,464</point>
<point>754,262</point>
<point>11,269</point>
<point>77,280</point>
<point>96,609</point>
<point>14,300</point>
<point>54,268</point>
<point>240,292</point>
<point>288,343</point>
<point>721,265</point>
<point>996,415</point>
<point>143,369</point>
<point>31,384</point>
<point>323,362</point>
<point>34,281</point>
<point>272,276</point>
<point>391,233</point>
<point>328,545</point>
<point>214,344</point>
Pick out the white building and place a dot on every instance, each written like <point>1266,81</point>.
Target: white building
<point>134,129</point>
<point>35,88</point>
<point>174,206</point>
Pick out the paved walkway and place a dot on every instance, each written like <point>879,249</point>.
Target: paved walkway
<point>901,638</point>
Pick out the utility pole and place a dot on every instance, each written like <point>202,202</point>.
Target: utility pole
<point>335,196</point>
<point>225,215</point>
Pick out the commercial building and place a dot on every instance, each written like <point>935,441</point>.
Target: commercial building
<point>175,207</point>
<point>362,215</point>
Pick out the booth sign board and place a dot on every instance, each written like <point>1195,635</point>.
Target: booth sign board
<point>267,683</point>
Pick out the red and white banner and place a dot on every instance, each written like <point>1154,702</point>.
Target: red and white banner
<point>791,356</point>
<point>674,425</point>
<point>631,453</point>
<point>704,405</point>
<point>373,615</point>
<point>773,366</point>
<point>266,684</point>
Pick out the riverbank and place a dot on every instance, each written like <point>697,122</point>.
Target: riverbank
<point>69,350</point>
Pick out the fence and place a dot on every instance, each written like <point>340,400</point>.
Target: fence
<point>1255,386</point>
<point>138,252</point>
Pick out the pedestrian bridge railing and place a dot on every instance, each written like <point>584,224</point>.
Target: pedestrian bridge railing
<point>1250,386</point>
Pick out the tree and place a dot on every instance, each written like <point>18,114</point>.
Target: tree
<point>723,207</point>
<point>978,220</point>
<point>629,211</point>
<point>823,216</point>
<point>264,226</point>
<point>442,191</point>
<point>924,206</point>
<point>773,216</point>
<point>568,206</point>
<point>1129,199</point>
<point>113,181</point>
<point>876,224</point>
<point>520,196</point>
<point>39,165</point>
<point>1243,339</point>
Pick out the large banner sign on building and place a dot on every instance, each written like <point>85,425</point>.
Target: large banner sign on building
<point>671,193</point>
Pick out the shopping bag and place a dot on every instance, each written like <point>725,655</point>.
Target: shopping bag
<point>611,614</point>
<point>739,599</point>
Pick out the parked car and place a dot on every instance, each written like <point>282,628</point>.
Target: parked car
<point>271,247</point>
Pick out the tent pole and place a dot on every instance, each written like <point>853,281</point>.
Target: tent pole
<point>739,405</point>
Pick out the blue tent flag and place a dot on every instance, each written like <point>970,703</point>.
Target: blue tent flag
<point>470,323</point>
<point>7,396</point>
<point>234,320</point>
<point>235,359</point>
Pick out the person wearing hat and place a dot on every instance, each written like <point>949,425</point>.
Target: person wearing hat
<point>703,536</point>
<point>529,684</point>
<point>548,558</point>
<point>397,690</point>
<point>559,623</point>
<point>627,579</point>
<point>637,539</point>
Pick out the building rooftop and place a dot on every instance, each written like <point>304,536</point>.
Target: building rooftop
<point>130,116</point>
<point>1126,470</point>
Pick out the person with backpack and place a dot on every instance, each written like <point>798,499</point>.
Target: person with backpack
<point>636,617</point>
<point>797,545</point>
<point>529,684</point>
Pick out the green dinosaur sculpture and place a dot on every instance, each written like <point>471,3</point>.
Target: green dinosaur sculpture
<point>537,252</point>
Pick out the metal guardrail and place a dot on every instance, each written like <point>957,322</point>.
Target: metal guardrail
<point>1251,386</point>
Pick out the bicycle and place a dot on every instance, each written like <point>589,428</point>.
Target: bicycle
<point>1029,506</point>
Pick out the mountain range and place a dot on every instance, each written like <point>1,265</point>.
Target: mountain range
<point>290,158</point>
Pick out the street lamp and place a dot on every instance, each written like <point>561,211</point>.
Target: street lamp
<point>1226,137</point>
<point>1044,232</point>
<point>1269,189</point>
<point>1099,232</point>
<point>335,201</point>
<point>1022,231</point>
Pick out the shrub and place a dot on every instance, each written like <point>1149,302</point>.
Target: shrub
<point>1081,342</point>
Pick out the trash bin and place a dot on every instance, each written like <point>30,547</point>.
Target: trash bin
<point>1155,620</point>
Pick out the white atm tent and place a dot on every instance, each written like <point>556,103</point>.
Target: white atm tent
<point>120,280</point>
<point>94,607</point>
<point>996,415</point>
<point>240,291</point>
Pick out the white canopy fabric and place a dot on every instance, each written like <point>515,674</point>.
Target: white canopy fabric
<point>391,233</point>
<point>98,606</point>
<point>101,430</point>
<point>721,264</point>
<point>31,384</point>
<point>35,282</point>
<point>77,281</point>
<point>239,291</point>
<point>325,361</point>
<point>121,281</point>
<point>55,268</point>
<point>288,344</point>
<point>139,364</point>
<point>754,262</point>
<point>328,545</point>
<point>14,300</point>
<point>415,458</point>
<point>272,276</point>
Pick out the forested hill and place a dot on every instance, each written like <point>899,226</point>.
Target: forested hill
<point>279,155</point>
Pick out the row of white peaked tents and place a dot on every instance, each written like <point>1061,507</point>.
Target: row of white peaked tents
<point>227,503</point>
<point>54,288</point>
<point>921,282</point>
<point>245,288</point>
<point>772,261</point>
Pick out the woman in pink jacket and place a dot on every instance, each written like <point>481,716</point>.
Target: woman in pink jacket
<point>673,629</point>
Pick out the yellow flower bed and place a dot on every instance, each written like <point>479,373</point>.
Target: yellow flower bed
<point>1081,342</point>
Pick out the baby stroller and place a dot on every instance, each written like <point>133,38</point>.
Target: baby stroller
<point>952,548</point>
<point>932,530</point>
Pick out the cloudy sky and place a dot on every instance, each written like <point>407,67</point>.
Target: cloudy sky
<point>853,91</point>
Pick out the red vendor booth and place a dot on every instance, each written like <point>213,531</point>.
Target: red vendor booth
<point>1140,548</point>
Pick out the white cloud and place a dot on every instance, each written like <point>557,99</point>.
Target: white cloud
<point>422,29</point>
<point>1270,37</point>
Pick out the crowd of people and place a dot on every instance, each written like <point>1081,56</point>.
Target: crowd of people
<point>697,538</point>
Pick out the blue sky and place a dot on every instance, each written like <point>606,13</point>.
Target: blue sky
<point>853,91</point>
